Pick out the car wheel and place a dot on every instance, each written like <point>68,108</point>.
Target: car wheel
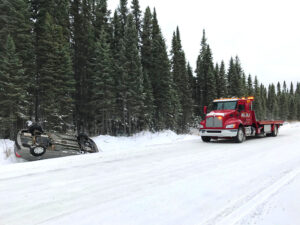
<point>240,137</point>
<point>35,128</point>
<point>205,139</point>
<point>37,151</point>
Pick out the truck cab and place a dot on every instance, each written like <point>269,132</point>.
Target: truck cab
<point>234,118</point>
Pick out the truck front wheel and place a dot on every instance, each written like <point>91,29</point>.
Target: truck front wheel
<point>240,137</point>
<point>205,139</point>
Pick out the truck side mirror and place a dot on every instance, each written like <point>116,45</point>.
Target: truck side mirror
<point>205,110</point>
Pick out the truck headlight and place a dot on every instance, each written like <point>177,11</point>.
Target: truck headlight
<point>230,126</point>
<point>201,126</point>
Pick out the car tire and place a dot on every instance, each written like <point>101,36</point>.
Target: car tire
<point>205,139</point>
<point>240,137</point>
<point>35,127</point>
<point>37,151</point>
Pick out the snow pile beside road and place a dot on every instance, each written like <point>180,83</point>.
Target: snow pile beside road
<point>141,140</point>
<point>7,155</point>
<point>108,143</point>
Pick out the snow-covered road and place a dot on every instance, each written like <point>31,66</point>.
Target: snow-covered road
<point>184,182</point>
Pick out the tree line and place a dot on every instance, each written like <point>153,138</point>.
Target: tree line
<point>77,65</point>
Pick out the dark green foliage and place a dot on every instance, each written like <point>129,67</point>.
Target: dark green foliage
<point>136,12</point>
<point>134,78</point>
<point>68,64</point>
<point>103,98</point>
<point>166,101</point>
<point>181,83</point>
<point>222,83</point>
<point>249,91</point>
<point>15,20</point>
<point>54,75</point>
<point>83,45</point>
<point>13,95</point>
<point>206,83</point>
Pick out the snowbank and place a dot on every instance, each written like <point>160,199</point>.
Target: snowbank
<point>140,140</point>
<point>107,143</point>
<point>7,155</point>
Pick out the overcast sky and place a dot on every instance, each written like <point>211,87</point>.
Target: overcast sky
<point>264,34</point>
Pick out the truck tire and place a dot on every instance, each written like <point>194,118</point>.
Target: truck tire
<point>205,139</point>
<point>240,137</point>
<point>275,131</point>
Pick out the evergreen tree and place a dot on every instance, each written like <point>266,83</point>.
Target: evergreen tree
<point>12,93</point>
<point>192,84</point>
<point>181,80</point>
<point>136,12</point>
<point>15,20</point>
<point>165,96</point>
<point>257,103</point>
<point>272,103</point>
<point>222,82</point>
<point>83,44</point>
<point>292,104</point>
<point>135,97</point>
<point>217,78</point>
<point>230,78</point>
<point>146,60</point>
<point>263,100</point>
<point>250,86</point>
<point>103,98</point>
<point>206,83</point>
<point>297,99</point>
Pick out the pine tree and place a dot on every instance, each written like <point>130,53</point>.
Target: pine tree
<point>257,103</point>
<point>217,78</point>
<point>84,45</point>
<point>272,106</point>
<point>15,20</point>
<point>297,99</point>
<point>104,87</point>
<point>263,100</point>
<point>135,97</point>
<point>223,92</point>
<point>181,81</point>
<point>13,95</point>
<point>250,91</point>
<point>136,12</point>
<point>165,96</point>
<point>192,84</point>
<point>146,60</point>
<point>206,83</point>
<point>292,104</point>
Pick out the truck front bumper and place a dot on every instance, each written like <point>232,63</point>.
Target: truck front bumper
<point>218,133</point>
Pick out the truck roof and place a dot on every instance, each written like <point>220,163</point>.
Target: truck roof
<point>233,99</point>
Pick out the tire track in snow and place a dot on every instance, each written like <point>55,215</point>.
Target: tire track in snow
<point>238,210</point>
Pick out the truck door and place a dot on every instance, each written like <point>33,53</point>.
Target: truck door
<point>242,111</point>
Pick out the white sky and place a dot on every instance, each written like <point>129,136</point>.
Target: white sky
<point>264,34</point>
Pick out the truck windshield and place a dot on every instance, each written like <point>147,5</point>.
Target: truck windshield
<point>224,105</point>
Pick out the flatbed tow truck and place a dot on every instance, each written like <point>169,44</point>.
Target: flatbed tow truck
<point>234,118</point>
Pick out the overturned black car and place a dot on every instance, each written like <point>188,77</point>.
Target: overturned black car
<point>34,144</point>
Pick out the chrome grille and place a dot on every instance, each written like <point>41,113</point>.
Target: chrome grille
<point>213,122</point>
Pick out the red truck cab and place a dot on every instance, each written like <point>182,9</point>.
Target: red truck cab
<point>235,118</point>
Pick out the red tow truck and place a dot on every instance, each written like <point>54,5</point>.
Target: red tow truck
<point>235,118</point>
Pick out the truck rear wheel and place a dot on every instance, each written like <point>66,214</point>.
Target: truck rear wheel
<point>205,139</point>
<point>240,137</point>
<point>275,131</point>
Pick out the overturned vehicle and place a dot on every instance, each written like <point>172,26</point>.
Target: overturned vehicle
<point>34,144</point>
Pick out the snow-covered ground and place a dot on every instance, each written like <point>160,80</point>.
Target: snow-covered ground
<point>160,178</point>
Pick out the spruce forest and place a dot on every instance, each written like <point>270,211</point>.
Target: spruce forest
<point>75,65</point>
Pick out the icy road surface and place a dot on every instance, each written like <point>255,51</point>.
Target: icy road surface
<point>186,182</point>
